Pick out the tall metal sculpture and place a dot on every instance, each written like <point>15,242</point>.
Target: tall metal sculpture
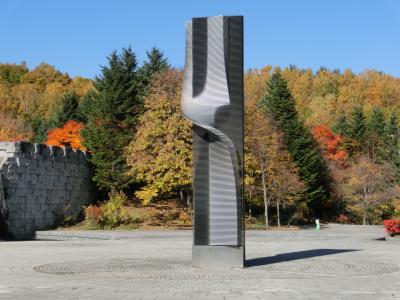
<point>212,99</point>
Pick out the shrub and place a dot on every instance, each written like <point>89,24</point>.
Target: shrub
<point>396,213</point>
<point>343,219</point>
<point>114,213</point>
<point>93,215</point>
<point>392,226</point>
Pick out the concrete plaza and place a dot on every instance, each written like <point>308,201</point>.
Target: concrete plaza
<point>338,262</point>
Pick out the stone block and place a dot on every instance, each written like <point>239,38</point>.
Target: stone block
<point>40,180</point>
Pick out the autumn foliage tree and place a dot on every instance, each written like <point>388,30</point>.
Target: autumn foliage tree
<point>279,103</point>
<point>12,129</point>
<point>271,177</point>
<point>330,144</point>
<point>31,98</point>
<point>67,136</point>
<point>352,117</point>
<point>160,154</point>
<point>368,184</point>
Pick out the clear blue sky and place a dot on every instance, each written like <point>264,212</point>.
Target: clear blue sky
<point>76,35</point>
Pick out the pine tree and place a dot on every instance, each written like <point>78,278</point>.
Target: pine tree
<point>111,112</point>
<point>392,131</point>
<point>341,126</point>
<point>392,143</point>
<point>374,143</point>
<point>280,104</point>
<point>377,122</point>
<point>357,126</point>
<point>40,128</point>
<point>155,63</point>
<point>68,110</point>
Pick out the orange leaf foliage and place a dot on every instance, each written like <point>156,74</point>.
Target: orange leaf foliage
<point>330,144</point>
<point>68,136</point>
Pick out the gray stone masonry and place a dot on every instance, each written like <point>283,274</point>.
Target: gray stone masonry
<point>42,185</point>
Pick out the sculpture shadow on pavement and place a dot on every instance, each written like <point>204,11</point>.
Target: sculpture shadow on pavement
<point>284,257</point>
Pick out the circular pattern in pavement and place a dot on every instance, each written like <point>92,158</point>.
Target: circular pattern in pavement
<point>168,270</point>
<point>112,265</point>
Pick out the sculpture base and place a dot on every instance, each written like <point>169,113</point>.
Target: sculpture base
<point>218,256</point>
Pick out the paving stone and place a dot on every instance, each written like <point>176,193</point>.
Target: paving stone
<point>338,262</point>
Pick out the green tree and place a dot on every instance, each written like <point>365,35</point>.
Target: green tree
<point>156,62</point>
<point>11,74</point>
<point>357,126</point>
<point>375,134</point>
<point>40,127</point>
<point>111,113</point>
<point>392,143</point>
<point>357,133</point>
<point>280,104</point>
<point>341,126</point>
<point>377,122</point>
<point>68,110</point>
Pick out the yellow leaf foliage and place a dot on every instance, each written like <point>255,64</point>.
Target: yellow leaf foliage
<point>160,155</point>
<point>12,130</point>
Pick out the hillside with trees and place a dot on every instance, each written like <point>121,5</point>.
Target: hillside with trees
<point>322,144</point>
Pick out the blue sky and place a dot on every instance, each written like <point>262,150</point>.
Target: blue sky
<point>76,35</point>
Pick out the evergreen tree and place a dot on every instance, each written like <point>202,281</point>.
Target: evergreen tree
<point>392,143</point>
<point>111,115</point>
<point>392,131</point>
<point>377,122</point>
<point>155,63</point>
<point>40,128</point>
<point>280,104</point>
<point>374,143</point>
<point>341,126</point>
<point>357,126</point>
<point>69,110</point>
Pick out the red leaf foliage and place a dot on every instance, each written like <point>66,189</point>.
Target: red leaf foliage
<point>330,144</point>
<point>343,219</point>
<point>392,226</point>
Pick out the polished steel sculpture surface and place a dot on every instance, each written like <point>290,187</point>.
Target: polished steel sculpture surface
<point>212,99</point>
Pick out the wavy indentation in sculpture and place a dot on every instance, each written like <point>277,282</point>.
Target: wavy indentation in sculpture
<point>202,110</point>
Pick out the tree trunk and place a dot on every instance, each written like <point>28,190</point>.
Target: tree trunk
<point>365,217</point>
<point>181,196</point>
<point>262,165</point>
<point>266,202</point>
<point>189,204</point>
<point>266,215</point>
<point>250,197</point>
<point>278,213</point>
<point>365,206</point>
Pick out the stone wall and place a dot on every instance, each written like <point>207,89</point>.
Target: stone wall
<point>42,186</point>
